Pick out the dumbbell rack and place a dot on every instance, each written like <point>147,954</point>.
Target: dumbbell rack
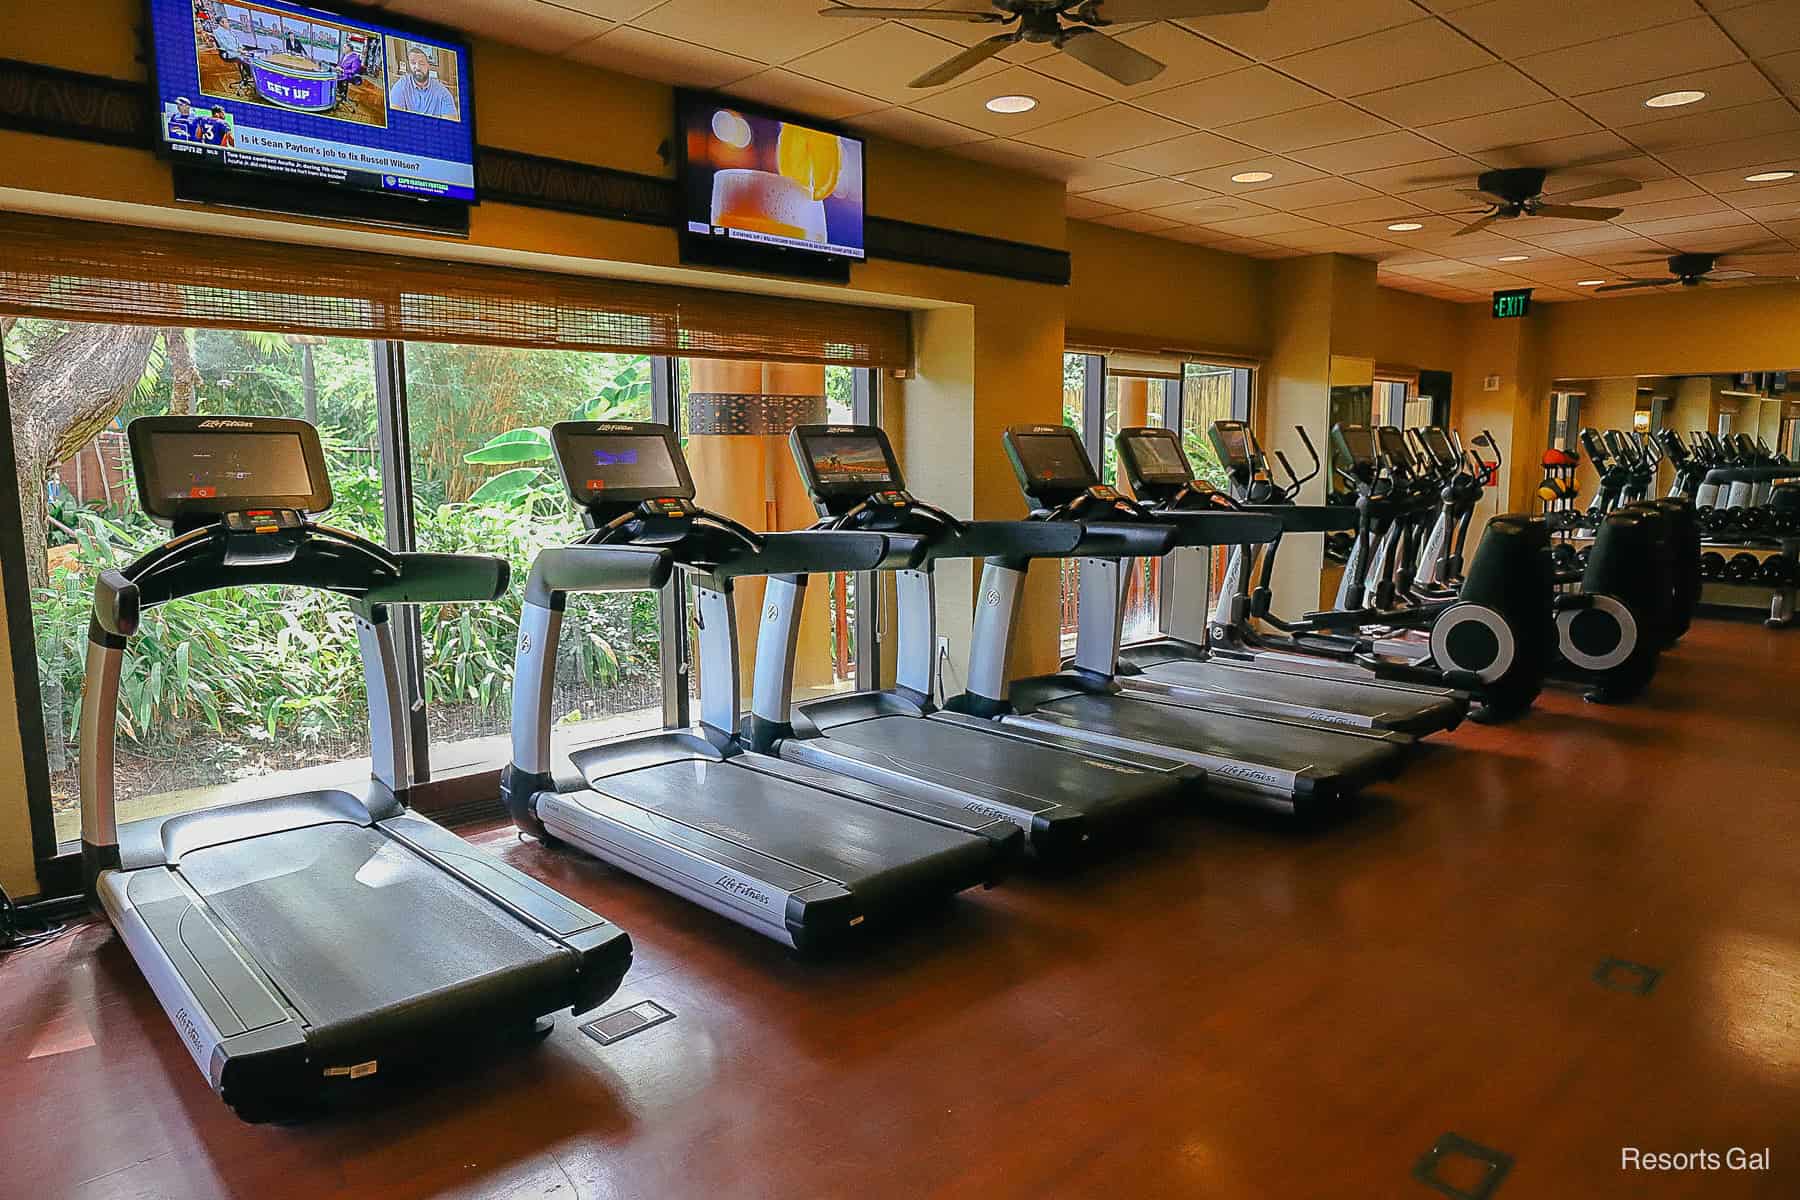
<point>1778,599</point>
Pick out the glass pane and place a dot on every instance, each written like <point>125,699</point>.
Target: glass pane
<point>237,687</point>
<point>483,481</point>
<point>1131,401</point>
<point>1208,394</point>
<point>1074,408</point>
<point>735,418</point>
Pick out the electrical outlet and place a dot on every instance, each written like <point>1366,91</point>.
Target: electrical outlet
<point>943,646</point>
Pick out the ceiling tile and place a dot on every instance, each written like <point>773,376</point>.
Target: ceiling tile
<point>880,61</point>
<point>1329,190</point>
<point>1720,241</point>
<point>1148,193</point>
<point>1244,245</point>
<point>1033,160</point>
<point>1236,96</point>
<point>1317,125</point>
<point>1435,172</point>
<point>653,56</point>
<point>1093,175</point>
<point>1263,223</point>
<point>1516,28</point>
<point>1659,226</point>
<point>1290,26</point>
<point>1139,222</point>
<point>771,31</point>
<point>1080,208</point>
<point>1784,69</point>
<point>1725,87</point>
<point>1281,171</point>
<point>904,125</point>
<point>1727,124</point>
<point>1184,56</point>
<point>612,10</point>
<point>1492,88</point>
<point>1376,61</point>
<point>785,89</point>
<point>1370,153</point>
<point>1726,183</point>
<point>1334,241</point>
<point>1212,208</point>
<point>1372,208</point>
<point>1764,195</point>
<point>1771,27</point>
<point>1532,123</point>
<point>1653,192</point>
<point>1104,131</point>
<point>1190,152</point>
<point>1591,150</point>
<point>1197,235</point>
<point>1447,198</point>
<point>966,103</point>
<point>540,27</point>
<point>1634,58</point>
<point>1686,207</point>
<point>1773,147</point>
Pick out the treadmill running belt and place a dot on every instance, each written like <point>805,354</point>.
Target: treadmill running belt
<point>1399,709</point>
<point>884,856</point>
<point>1285,747</point>
<point>354,928</point>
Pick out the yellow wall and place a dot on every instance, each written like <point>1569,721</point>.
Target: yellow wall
<point>1683,332</point>
<point>16,873</point>
<point>1162,293</point>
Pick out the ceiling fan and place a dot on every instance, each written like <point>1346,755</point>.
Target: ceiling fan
<point>1692,270</point>
<point>1043,21</point>
<point>1514,192</point>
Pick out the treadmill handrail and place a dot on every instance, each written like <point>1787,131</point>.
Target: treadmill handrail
<point>326,559</point>
<point>1009,539</point>
<point>1117,539</point>
<point>1309,518</point>
<point>807,551</point>
<point>560,570</point>
<point>1220,528</point>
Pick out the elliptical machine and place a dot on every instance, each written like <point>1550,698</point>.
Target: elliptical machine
<point>1494,640</point>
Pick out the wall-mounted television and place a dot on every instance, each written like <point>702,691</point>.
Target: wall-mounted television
<point>766,191</point>
<point>322,112</point>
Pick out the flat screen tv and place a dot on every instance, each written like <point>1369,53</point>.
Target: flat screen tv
<point>319,112</point>
<point>765,191</point>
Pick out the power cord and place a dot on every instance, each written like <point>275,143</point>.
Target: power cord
<point>20,930</point>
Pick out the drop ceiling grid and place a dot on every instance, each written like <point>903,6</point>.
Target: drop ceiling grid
<point>1283,97</point>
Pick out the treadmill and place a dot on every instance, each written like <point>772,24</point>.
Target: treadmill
<point>305,945</point>
<point>1295,767</point>
<point>1182,665</point>
<point>1065,794</point>
<point>800,855</point>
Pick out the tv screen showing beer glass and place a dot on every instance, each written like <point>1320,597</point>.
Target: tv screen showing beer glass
<point>756,178</point>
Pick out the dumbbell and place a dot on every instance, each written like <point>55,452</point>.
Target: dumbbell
<point>1742,568</point>
<point>1755,520</point>
<point>1562,556</point>
<point>1777,570</point>
<point>1712,565</point>
<point>1582,555</point>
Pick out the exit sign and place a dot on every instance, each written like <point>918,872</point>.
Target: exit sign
<point>1515,303</point>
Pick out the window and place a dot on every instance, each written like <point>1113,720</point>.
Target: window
<point>226,687</point>
<point>483,480</point>
<point>735,416</point>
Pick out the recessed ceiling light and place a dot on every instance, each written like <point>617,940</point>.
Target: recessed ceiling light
<point>1514,257</point>
<point>1405,226</point>
<point>1011,104</point>
<point>1589,282</point>
<point>1674,99</point>
<point>1768,176</point>
<point>1253,177</point>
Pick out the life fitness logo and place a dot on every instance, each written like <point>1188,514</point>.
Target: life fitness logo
<point>609,427</point>
<point>991,598</point>
<point>222,423</point>
<point>771,612</point>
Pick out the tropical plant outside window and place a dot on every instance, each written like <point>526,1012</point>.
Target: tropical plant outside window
<point>484,480</point>
<point>226,685</point>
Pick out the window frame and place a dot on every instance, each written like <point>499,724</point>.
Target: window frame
<point>58,864</point>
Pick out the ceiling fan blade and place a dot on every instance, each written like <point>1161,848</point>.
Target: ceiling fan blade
<point>1593,191</point>
<point>1120,11</point>
<point>912,14</point>
<point>1478,225</point>
<point>1575,212</point>
<point>950,68</point>
<point>1638,283</point>
<point>1721,274</point>
<point>1109,56</point>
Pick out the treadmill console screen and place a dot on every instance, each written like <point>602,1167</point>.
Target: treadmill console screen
<point>192,466</point>
<point>1051,461</point>
<point>848,458</point>
<point>1157,458</point>
<point>620,462</point>
<point>1358,442</point>
<point>1393,444</point>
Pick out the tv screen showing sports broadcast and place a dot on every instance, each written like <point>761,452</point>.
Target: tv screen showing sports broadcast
<point>752,178</point>
<point>284,90</point>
